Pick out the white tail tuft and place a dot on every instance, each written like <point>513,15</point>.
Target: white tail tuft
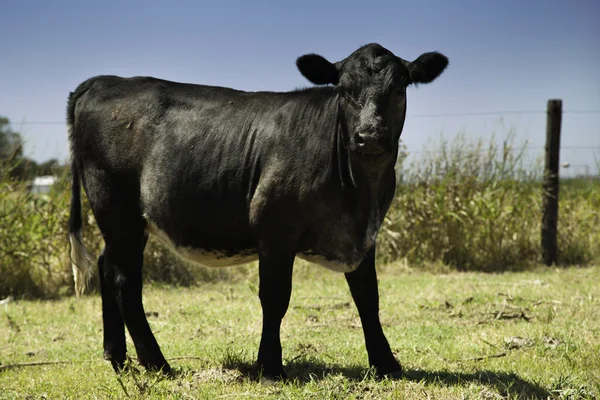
<point>81,262</point>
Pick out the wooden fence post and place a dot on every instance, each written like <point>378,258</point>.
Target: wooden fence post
<point>550,184</point>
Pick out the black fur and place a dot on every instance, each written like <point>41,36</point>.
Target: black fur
<point>427,67</point>
<point>307,173</point>
<point>317,69</point>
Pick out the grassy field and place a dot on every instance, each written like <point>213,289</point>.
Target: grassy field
<point>462,335</point>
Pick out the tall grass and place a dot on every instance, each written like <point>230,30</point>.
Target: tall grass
<point>34,246</point>
<point>467,205</point>
<point>476,205</point>
<point>33,260</point>
<point>579,221</point>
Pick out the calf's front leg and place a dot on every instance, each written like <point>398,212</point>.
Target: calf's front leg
<point>363,286</point>
<point>275,289</point>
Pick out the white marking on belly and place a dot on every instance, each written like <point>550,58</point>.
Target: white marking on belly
<point>329,264</point>
<point>209,258</point>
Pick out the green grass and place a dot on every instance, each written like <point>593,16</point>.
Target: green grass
<point>460,335</point>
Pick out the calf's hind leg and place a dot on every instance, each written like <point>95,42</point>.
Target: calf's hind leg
<point>115,203</point>
<point>123,263</point>
<point>115,349</point>
<point>114,327</point>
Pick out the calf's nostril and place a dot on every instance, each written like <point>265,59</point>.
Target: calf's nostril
<point>367,140</point>
<point>369,144</point>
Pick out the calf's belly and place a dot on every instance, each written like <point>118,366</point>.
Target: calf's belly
<point>207,257</point>
<point>224,258</point>
<point>333,265</point>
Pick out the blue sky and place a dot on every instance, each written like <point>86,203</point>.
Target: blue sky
<point>504,56</point>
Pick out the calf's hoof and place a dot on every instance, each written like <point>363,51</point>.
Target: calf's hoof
<point>163,368</point>
<point>394,374</point>
<point>393,371</point>
<point>117,362</point>
<point>268,377</point>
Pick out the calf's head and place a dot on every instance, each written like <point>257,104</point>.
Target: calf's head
<point>372,82</point>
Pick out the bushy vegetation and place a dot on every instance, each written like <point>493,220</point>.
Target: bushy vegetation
<point>33,260</point>
<point>34,245</point>
<point>467,205</point>
<point>477,205</point>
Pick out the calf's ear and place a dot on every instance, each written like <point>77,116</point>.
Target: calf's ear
<point>427,67</point>
<point>317,69</point>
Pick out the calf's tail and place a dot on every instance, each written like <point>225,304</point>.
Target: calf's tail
<point>81,261</point>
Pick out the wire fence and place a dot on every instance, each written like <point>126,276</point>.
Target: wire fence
<point>435,115</point>
<point>571,156</point>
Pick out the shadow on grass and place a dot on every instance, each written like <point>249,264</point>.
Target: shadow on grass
<point>506,384</point>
